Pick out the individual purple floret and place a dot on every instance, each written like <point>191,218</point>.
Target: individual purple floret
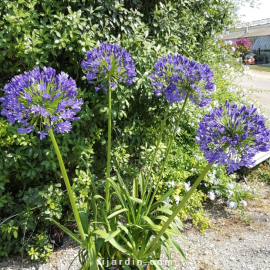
<point>176,76</point>
<point>109,63</point>
<point>41,100</point>
<point>232,136</point>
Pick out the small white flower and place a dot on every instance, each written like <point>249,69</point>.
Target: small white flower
<point>244,203</point>
<point>230,193</point>
<point>198,157</point>
<point>216,182</point>
<point>212,195</point>
<point>170,184</point>
<point>229,42</point>
<point>227,66</point>
<point>206,185</point>
<point>217,192</point>
<point>167,200</point>
<point>230,186</point>
<point>193,170</point>
<point>233,49</point>
<point>178,130</point>
<point>232,205</point>
<point>187,186</point>
<point>177,199</point>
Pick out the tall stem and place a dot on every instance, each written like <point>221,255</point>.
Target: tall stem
<point>181,204</point>
<point>107,188</point>
<point>156,149</point>
<point>167,153</point>
<point>67,183</point>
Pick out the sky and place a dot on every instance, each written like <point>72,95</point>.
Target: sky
<point>254,14</point>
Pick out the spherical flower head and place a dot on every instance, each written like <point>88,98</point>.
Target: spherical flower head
<point>41,100</point>
<point>175,76</point>
<point>232,135</point>
<point>109,64</point>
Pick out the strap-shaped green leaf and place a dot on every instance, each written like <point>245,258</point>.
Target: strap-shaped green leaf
<point>125,229</point>
<point>152,249</point>
<point>98,197</point>
<point>135,189</point>
<point>163,198</point>
<point>177,248</point>
<point>164,210</point>
<point>101,233</point>
<point>117,213</point>
<point>68,232</point>
<point>131,207</point>
<point>119,193</point>
<point>136,200</point>
<point>167,249</point>
<point>112,235</point>
<point>84,220</point>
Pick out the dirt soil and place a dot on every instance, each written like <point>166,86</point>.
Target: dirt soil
<point>231,243</point>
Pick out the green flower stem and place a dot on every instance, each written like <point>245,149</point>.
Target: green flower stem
<point>181,204</point>
<point>156,149</point>
<point>67,183</point>
<point>107,188</point>
<point>167,153</point>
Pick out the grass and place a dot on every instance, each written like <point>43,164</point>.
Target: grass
<point>254,67</point>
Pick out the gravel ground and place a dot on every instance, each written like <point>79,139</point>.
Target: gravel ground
<point>258,85</point>
<point>231,243</point>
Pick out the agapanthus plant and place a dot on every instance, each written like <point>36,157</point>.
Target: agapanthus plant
<point>231,135</point>
<point>106,67</point>
<point>176,77</point>
<point>41,100</point>
<point>46,101</point>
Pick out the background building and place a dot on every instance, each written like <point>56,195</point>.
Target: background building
<point>258,32</point>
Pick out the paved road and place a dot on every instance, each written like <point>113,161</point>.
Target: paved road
<point>258,85</point>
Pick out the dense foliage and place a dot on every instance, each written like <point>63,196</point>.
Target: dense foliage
<point>243,45</point>
<point>57,34</point>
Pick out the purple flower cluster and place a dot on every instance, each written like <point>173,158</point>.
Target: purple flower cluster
<point>41,99</point>
<point>176,76</point>
<point>232,136</point>
<point>109,64</point>
<point>245,43</point>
